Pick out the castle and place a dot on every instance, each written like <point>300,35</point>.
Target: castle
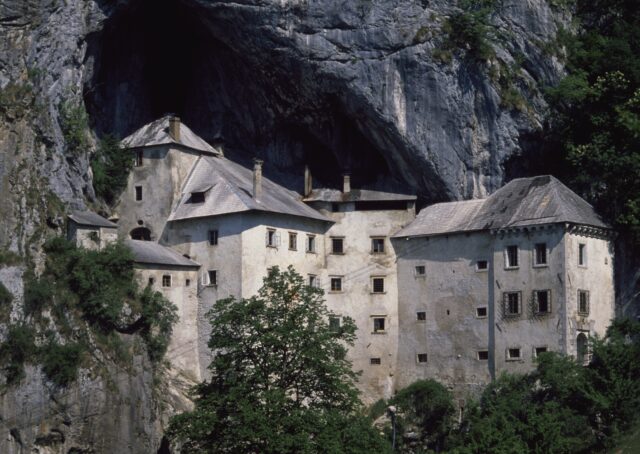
<point>460,293</point>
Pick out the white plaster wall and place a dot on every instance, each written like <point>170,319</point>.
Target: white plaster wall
<point>81,235</point>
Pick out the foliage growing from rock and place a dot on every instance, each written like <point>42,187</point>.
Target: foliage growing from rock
<point>469,30</point>
<point>60,362</point>
<point>280,378</point>
<point>110,165</point>
<point>74,123</point>
<point>8,257</point>
<point>17,348</point>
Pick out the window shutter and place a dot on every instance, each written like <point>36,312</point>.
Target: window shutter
<point>266,238</point>
<point>505,303</point>
<point>536,307</point>
<point>277,239</point>
<point>549,301</point>
<point>204,278</point>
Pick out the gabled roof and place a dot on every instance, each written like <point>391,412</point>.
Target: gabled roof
<point>229,188</point>
<point>157,133</point>
<point>521,202</point>
<point>355,195</point>
<point>151,253</point>
<point>89,218</point>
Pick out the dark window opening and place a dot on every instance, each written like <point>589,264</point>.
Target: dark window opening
<point>481,312</point>
<point>482,265</point>
<point>483,355</point>
<point>141,233</point>
<point>196,197</point>
<point>377,245</point>
<point>375,361</point>
<point>213,277</point>
<point>421,316</point>
<point>335,207</point>
<point>539,350</point>
<point>540,254</point>
<point>138,193</point>
<point>337,245</point>
<point>421,270</point>
<point>542,301</point>
<point>512,256</point>
<point>378,285</point>
<point>378,324</point>
<point>583,302</point>
<point>213,237</point>
<point>138,159</point>
<point>422,357</point>
<point>511,303</point>
<point>382,205</point>
<point>166,280</point>
<point>334,323</point>
<point>336,284</point>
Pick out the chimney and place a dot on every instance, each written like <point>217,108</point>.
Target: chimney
<point>257,178</point>
<point>346,185</point>
<point>174,128</point>
<point>308,182</point>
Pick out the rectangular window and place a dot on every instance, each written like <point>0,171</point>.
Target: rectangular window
<point>421,316</point>
<point>187,282</point>
<point>422,357</point>
<point>583,302</point>
<point>138,159</point>
<point>512,306</point>
<point>313,281</point>
<point>537,351</point>
<point>511,257</point>
<point>483,355</point>
<point>152,281</point>
<point>542,301</point>
<point>335,207</point>
<point>138,193</point>
<point>311,243</point>
<point>375,361</point>
<point>420,270</point>
<point>166,280</point>
<point>334,323</point>
<point>481,312</point>
<point>513,354</point>
<point>272,238</point>
<point>213,237</point>
<point>540,254</point>
<point>379,324</point>
<point>212,277</point>
<point>377,284</point>
<point>336,284</point>
<point>337,245</point>
<point>377,245</point>
<point>582,254</point>
<point>293,241</point>
<point>482,265</point>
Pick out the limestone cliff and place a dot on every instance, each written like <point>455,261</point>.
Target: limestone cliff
<point>369,85</point>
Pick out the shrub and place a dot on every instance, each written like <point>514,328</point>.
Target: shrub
<point>60,362</point>
<point>38,292</point>
<point>74,123</point>
<point>110,165</point>
<point>6,298</point>
<point>18,347</point>
<point>8,257</point>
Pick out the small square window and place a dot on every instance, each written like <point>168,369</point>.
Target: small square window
<point>166,280</point>
<point>272,238</point>
<point>482,265</point>
<point>379,324</point>
<point>511,257</point>
<point>420,270</point>
<point>335,207</point>
<point>537,351</point>
<point>422,357</point>
<point>483,355</point>
<point>187,282</point>
<point>293,241</point>
<point>582,254</point>
<point>481,312</point>
<point>512,306</point>
<point>213,277</point>
<point>513,354</point>
<point>377,284</point>
<point>334,323</point>
<point>137,162</point>
<point>337,245</point>
<point>213,237</point>
<point>138,193</point>
<point>336,284</point>
<point>375,361</point>
<point>540,254</point>
<point>583,302</point>
<point>311,243</point>
<point>542,301</point>
<point>377,245</point>
<point>421,316</point>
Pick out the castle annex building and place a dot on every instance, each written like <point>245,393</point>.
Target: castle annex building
<point>460,293</point>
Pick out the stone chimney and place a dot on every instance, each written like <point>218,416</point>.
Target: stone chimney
<point>308,182</point>
<point>257,178</point>
<point>174,128</point>
<point>346,183</point>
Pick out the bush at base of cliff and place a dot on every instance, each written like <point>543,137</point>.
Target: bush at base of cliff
<point>110,165</point>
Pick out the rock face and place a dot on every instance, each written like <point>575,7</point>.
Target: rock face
<point>360,85</point>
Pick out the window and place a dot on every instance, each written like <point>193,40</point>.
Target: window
<point>422,358</point>
<point>420,270</point>
<point>138,159</point>
<point>540,254</point>
<point>272,238</point>
<point>377,245</point>
<point>513,354</point>
<point>379,324</point>
<point>313,281</point>
<point>166,280</point>
<point>483,355</point>
<point>583,302</point>
<point>334,323</point>
<point>212,277</point>
<point>187,282</point>
<point>375,361</point>
<point>511,303</point>
<point>377,284</point>
<point>337,245</point>
<point>582,254</point>
<point>213,237</point>
<point>336,284</point>
<point>482,265</point>
<point>196,197</point>
<point>511,257</point>
<point>542,301</point>
<point>481,312</point>
<point>152,281</point>
<point>335,207</point>
<point>293,241</point>
<point>421,316</point>
<point>138,193</point>
<point>311,243</point>
<point>537,351</point>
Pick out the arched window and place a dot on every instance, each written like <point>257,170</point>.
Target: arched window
<point>583,349</point>
<point>141,233</point>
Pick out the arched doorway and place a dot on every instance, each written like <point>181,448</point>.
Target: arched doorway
<point>582,349</point>
<point>141,233</point>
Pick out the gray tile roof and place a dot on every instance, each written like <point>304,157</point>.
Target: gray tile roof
<point>229,189</point>
<point>90,218</point>
<point>355,195</point>
<point>157,133</point>
<point>521,202</point>
<point>151,253</point>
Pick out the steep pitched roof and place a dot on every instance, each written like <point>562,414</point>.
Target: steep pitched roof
<point>228,189</point>
<point>151,253</point>
<point>355,195</point>
<point>521,202</point>
<point>89,218</point>
<point>157,133</point>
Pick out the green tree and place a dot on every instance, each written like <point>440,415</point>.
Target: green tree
<point>281,382</point>
<point>110,165</point>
